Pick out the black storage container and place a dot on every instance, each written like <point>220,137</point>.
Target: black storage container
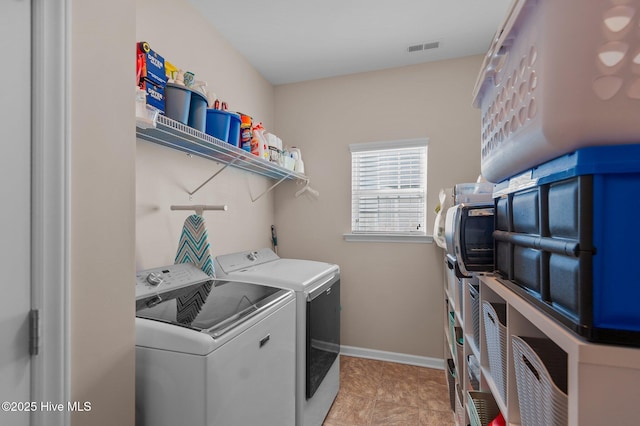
<point>563,232</point>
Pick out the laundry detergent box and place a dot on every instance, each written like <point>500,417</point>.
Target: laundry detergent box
<point>155,94</point>
<point>150,65</point>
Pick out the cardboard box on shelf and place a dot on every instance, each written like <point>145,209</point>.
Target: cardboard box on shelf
<point>155,94</point>
<point>150,65</point>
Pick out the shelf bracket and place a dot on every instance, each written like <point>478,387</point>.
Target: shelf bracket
<point>211,178</point>
<point>253,200</point>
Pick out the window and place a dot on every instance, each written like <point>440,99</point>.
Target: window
<point>388,189</point>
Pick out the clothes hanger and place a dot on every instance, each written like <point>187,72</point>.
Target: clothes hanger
<point>307,188</point>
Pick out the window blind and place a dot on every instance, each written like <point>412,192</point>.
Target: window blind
<point>388,187</point>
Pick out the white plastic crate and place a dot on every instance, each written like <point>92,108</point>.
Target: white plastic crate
<point>559,75</point>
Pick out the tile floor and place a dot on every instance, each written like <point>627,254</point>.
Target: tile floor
<point>386,393</point>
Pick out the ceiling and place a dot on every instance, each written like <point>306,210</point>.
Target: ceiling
<point>296,40</point>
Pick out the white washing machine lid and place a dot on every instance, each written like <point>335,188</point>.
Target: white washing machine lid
<point>294,274</point>
<point>196,319</point>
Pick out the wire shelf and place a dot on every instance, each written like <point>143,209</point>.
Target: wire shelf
<point>173,134</point>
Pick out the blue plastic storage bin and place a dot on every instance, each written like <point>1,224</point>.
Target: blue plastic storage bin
<point>198,111</point>
<point>234,130</point>
<point>568,235</point>
<point>218,124</point>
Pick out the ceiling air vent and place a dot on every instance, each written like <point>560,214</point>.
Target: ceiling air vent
<point>423,46</point>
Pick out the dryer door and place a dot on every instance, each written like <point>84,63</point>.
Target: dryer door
<point>323,333</point>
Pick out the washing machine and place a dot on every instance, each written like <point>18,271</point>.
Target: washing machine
<point>213,352</point>
<point>317,292</point>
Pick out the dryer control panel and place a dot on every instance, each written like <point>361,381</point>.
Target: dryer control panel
<point>245,259</point>
<point>156,281</point>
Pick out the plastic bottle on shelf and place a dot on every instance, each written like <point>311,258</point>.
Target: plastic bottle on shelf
<point>245,132</point>
<point>297,156</point>
<point>141,102</point>
<point>264,148</point>
<point>255,142</point>
<point>260,141</point>
<point>275,148</point>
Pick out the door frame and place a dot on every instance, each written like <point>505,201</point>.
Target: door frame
<point>50,288</point>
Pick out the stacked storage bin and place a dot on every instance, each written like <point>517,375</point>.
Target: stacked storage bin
<point>562,233</point>
<point>560,135</point>
<point>563,149</point>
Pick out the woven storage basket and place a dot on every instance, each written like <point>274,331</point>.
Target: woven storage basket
<point>495,320</point>
<point>451,287</point>
<point>459,297</point>
<point>451,382</point>
<point>460,416</point>
<point>473,370</point>
<point>459,348</point>
<point>541,378</point>
<point>482,408</point>
<point>475,313</point>
<point>452,332</point>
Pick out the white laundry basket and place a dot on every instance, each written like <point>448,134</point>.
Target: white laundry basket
<point>559,75</point>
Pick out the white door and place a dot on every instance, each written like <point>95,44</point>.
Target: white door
<point>15,210</point>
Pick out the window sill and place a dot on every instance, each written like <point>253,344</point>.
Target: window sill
<point>389,238</point>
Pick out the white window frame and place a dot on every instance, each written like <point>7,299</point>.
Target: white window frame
<point>381,236</point>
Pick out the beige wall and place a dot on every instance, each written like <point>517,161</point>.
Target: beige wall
<point>102,211</point>
<point>121,189</point>
<point>391,293</point>
<point>163,176</point>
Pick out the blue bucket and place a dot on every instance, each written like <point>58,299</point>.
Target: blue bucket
<point>218,124</point>
<point>177,101</point>
<point>198,111</point>
<point>234,130</point>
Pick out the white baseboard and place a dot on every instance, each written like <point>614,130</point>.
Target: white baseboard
<point>421,361</point>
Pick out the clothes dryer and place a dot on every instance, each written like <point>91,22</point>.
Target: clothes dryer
<point>317,290</point>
